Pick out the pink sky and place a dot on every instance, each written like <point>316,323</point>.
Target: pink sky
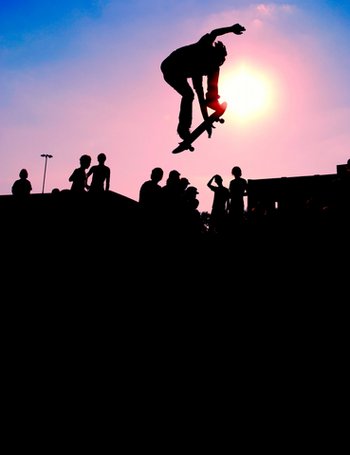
<point>110,97</point>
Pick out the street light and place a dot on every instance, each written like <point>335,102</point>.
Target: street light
<point>46,156</point>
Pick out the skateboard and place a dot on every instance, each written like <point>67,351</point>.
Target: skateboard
<point>214,117</point>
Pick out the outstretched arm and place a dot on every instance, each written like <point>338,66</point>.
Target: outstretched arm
<point>237,29</point>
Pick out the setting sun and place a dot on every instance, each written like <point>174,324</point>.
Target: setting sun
<point>248,92</point>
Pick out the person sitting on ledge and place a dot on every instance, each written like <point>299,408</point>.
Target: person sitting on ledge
<point>22,187</point>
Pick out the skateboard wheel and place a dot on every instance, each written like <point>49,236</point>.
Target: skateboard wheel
<point>191,149</point>
<point>221,120</point>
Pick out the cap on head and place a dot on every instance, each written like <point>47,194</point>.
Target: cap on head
<point>192,189</point>
<point>174,173</point>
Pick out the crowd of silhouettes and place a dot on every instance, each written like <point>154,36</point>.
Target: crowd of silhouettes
<point>173,206</point>
<point>176,203</point>
<point>99,174</point>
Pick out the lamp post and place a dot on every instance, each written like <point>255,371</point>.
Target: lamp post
<point>46,156</point>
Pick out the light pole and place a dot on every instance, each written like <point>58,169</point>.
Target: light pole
<point>46,156</point>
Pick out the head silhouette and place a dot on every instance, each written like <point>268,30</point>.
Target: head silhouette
<point>157,174</point>
<point>101,158</point>
<point>85,161</point>
<point>220,52</point>
<point>236,171</point>
<point>173,177</point>
<point>192,191</point>
<point>218,179</point>
<point>23,174</point>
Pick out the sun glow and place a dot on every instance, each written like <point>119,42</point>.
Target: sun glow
<point>248,92</point>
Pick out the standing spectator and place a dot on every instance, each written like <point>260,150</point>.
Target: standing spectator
<point>172,201</point>
<point>172,192</point>
<point>100,175</point>
<point>151,191</point>
<point>78,177</point>
<point>191,218</point>
<point>238,188</point>
<point>218,215</point>
<point>184,182</point>
<point>22,187</point>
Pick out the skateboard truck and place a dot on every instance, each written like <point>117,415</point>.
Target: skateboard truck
<point>186,146</point>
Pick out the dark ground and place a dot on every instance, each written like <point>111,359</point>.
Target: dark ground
<point>106,324</point>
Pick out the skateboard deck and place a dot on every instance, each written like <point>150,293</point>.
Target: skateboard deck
<point>214,117</point>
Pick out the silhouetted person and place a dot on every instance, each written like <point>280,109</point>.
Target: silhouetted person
<point>191,217</point>
<point>100,175</point>
<point>190,194</point>
<point>150,194</point>
<point>79,177</point>
<point>218,215</point>
<point>238,188</point>
<point>172,191</point>
<point>172,201</point>
<point>22,187</point>
<point>194,61</point>
<point>184,183</point>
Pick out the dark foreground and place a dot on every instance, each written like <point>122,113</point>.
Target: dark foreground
<point>107,321</point>
<point>110,234</point>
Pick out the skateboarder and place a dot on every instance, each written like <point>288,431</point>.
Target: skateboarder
<point>194,61</point>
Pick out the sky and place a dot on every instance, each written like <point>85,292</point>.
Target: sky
<point>83,77</point>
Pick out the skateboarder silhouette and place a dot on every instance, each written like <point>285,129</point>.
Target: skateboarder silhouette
<point>194,61</point>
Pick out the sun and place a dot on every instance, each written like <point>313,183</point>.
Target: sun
<point>248,92</point>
